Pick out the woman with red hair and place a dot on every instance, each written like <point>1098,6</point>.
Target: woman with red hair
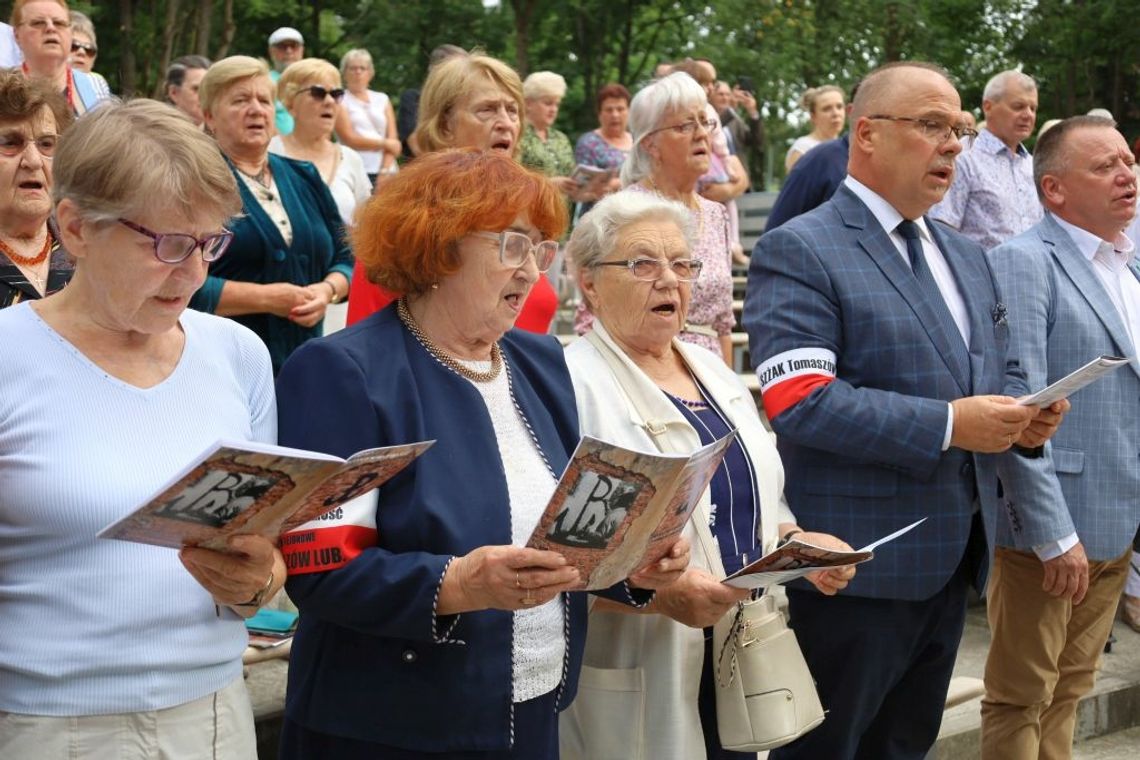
<point>468,101</point>
<point>429,628</point>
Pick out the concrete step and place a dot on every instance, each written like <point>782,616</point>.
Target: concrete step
<point>1110,711</point>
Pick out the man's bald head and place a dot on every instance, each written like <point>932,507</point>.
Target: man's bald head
<point>882,91</point>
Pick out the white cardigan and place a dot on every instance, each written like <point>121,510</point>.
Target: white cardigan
<point>637,694</point>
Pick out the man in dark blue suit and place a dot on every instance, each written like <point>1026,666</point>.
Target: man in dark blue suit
<point>813,180</point>
<point>878,338</point>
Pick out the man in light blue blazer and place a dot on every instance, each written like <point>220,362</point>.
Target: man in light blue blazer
<point>879,338</point>
<point>1069,509</point>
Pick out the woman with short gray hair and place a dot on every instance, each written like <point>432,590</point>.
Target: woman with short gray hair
<point>638,386</point>
<point>671,149</point>
<point>542,147</point>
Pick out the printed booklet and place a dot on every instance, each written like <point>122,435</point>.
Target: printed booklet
<point>796,559</point>
<point>616,510</point>
<point>252,488</point>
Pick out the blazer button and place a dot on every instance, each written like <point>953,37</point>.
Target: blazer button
<point>967,470</point>
<point>409,656</point>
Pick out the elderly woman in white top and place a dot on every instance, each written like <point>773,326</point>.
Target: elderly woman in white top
<point>311,92</point>
<point>367,122</point>
<point>639,386</point>
<point>111,387</point>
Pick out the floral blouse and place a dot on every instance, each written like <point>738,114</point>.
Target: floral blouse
<point>554,158</point>
<point>710,305</point>
<point>593,150</point>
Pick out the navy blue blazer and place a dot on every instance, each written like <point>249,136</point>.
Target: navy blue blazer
<point>862,453</point>
<point>368,662</point>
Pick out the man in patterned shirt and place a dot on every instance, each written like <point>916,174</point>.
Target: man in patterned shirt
<point>993,197</point>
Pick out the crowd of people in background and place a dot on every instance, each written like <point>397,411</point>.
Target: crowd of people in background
<point>174,273</point>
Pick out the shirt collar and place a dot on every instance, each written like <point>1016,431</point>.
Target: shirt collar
<point>884,213</point>
<point>1117,253</point>
<point>991,143</point>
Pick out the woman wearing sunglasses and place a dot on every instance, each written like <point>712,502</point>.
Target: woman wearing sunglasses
<point>311,92</point>
<point>111,648</point>
<point>289,259</point>
<point>439,634</point>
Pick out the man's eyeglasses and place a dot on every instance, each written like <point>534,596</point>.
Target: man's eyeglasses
<point>687,128</point>
<point>174,248</point>
<point>86,47</point>
<point>937,131</point>
<point>651,270</point>
<point>41,24</point>
<point>514,247</point>
<point>14,144</point>
<point>319,93</point>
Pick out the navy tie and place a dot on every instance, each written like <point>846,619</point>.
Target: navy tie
<point>933,297</point>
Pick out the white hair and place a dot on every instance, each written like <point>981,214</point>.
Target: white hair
<point>544,84</point>
<point>597,232</point>
<point>648,107</point>
<point>999,83</point>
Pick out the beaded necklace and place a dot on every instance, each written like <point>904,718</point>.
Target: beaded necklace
<point>445,358</point>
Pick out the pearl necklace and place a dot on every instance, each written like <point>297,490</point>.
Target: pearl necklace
<point>443,357</point>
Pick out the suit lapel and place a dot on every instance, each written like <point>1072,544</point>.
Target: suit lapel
<point>874,240</point>
<point>976,287</point>
<point>1080,271</point>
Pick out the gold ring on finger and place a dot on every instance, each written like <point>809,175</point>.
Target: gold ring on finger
<point>528,600</point>
<point>518,583</point>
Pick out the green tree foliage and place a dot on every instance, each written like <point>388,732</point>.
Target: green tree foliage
<point>1081,51</point>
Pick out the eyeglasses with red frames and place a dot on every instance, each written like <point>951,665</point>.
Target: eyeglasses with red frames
<point>320,93</point>
<point>176,247</point>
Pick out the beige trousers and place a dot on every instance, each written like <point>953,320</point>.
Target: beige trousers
<point>217,726</point>
<point>1043,655</point>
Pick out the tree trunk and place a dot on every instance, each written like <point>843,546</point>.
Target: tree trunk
<point>202,33</point>
<point>524,11</point>
<point>229,29</point>
<point>126,30</point>
<point>169,26</point>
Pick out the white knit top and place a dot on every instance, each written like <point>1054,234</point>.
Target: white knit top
<point>90,625</point>
<point>539,638</point>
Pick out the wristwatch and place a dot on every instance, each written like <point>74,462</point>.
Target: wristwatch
<point>257,599</point>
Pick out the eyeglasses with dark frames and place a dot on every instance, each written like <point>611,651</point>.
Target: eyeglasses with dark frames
<point>86,47</point>
<point>687,128</point>
<point>651,270</point>
<point>515,247</point>
<point>935,130</point>
<point>320,93</point>
<point>176,247</point>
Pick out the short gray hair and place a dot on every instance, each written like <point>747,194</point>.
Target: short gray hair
<point>544,84</point>
<point>999,84</point>
<point>648,108</point>
<point>1051,154</point>
<point>356,54</point>
<point>596,232</point>
<point>126,159</point>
